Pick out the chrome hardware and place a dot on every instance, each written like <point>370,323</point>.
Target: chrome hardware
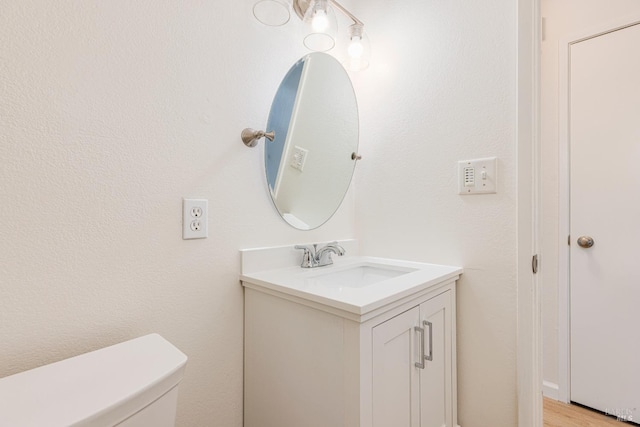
<point>430,326</point>
<point>301,6</point>
<point>355,156</point>
<point>307,257</point>
<point>585,242</point>
<point>250,136</point>
<point>313,257</point>
<point>323,255</point>
<point>422,358</point>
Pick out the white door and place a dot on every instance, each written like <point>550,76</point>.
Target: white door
<point>605,206</point>
<point>396,380</point>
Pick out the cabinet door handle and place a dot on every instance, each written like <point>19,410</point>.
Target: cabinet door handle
<point>420,364</point>
<point>430,326</point>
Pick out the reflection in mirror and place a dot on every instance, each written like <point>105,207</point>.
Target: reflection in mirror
<point>309,164</point>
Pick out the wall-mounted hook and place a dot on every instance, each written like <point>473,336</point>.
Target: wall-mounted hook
<point>355,156</point>
<point>250,136</point>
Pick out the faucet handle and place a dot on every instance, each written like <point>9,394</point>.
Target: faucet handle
<point>308,256</point>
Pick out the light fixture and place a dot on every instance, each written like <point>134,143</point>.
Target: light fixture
<point>358,50</point>
<point>319,33</point>
<point>273,13</point>
<point>321,29</point>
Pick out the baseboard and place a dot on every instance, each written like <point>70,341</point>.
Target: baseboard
<point>550,390</point>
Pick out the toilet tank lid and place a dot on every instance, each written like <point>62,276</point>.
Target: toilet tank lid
<point>102,387</point>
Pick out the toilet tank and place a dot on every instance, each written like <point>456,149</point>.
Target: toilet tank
<point>131,384</point>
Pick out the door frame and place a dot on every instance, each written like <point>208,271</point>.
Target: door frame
<point>564,158</point>
<point>529,305</point>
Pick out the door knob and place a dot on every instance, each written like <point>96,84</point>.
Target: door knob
<point>585,242</point>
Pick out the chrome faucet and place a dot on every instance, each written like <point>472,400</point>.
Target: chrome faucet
<point>313,257</point>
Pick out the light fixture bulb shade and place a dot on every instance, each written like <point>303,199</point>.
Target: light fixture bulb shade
<point>321,26</point>
<point>358,50</point>
<point>273,13</point>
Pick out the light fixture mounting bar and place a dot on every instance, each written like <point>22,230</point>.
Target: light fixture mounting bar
<point>301,6</point>
<point>342,9</point>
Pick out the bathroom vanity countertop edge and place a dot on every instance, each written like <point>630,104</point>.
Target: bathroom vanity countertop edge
<point>299,283</point>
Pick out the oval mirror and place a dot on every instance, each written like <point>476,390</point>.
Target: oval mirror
<point>311,160</point>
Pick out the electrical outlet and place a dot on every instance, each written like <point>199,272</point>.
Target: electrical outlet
<point>194,219</point>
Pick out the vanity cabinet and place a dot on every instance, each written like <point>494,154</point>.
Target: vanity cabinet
<point>412,375</point>
<point>311,363</point>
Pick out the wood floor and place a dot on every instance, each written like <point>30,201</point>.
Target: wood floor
<point>557,414</point>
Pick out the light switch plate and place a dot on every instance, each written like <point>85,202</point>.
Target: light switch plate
<point>194,219</point>
<point>478,176</point>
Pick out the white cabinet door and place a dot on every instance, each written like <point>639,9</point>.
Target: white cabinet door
<point>404,394</point>
<point>435,379</point>
<point>396,380</point>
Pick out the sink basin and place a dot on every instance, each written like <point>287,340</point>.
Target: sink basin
<point>359,276</point>
<point>353,285</point>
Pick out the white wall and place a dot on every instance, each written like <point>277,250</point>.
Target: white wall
<point>563,19</point>
<point>110,113</point>
<point>113,111</point>
<point>442,88</point>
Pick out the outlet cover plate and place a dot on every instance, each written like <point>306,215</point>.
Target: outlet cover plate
<point>194,219</point>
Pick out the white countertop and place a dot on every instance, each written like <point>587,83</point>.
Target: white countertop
<point>304,282</point>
